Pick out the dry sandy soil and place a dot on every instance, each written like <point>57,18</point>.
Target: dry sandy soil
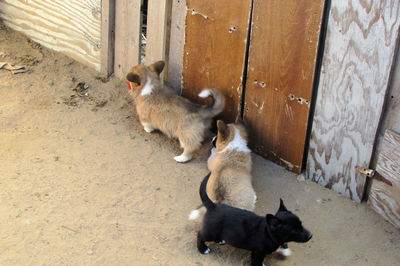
<point>81,183</point>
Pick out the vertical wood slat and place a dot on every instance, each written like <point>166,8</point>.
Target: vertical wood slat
<point>282,59</point>
<point>358,56</point>
<point>70,27</point>
<point>176,46</point>
<point>215,48</point>
<point>156,43</point>
<point>127,36</point>
<point>385,199</point>
<point>107,37</point>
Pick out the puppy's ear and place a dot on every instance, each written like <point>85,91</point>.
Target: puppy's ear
<point>157,67</point>
<point>282,207</point>
<point>222,129</point>
<point>272,221</point>
<point>132,77</point>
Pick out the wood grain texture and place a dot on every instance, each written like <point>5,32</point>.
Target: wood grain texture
<point>127,36</point>
<point>156,33</point>
<point>385,199</point>
<point>391,112</point>
<point>283,52</point>
<point>71,27</point>
<point>177,41</point>
<point>359,50</point>
<point>214,53</point>
<point>107,37</point>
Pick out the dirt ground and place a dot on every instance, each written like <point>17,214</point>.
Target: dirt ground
<point>81,183</point>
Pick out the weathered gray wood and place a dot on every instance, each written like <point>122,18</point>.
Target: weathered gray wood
<point>127,36</point>
<point>107,37</point>
<point>385,199</point>
<point>391,113</point>
<point>359,50</point>
<point>156,33</point>
<point>70,27</point>
<point>177,42</point>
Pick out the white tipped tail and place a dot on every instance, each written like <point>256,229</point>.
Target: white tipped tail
<point>194,215</point>
<point>217,105</point>
<point>205,93</point>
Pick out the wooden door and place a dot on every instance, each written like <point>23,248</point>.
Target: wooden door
<point>215,49</point>
<point>283,53</point>
<point>385,199</point>
<point>360,46</point>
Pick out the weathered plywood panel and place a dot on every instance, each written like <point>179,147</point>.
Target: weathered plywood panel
<point>283,52</point>
<point>215,48</point>
<point>71,27</point>
<point>391,113</point>
<point>127,36</point>
<point>385,199</point>
<point>359,49</point>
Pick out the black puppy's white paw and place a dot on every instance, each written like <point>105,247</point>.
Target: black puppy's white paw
<point>222,242</point>
<point>208,250</point>
<point>286,252</point>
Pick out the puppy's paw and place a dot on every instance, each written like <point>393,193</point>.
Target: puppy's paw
<point>181,159</point>
<point>286,252</point>
<point>208,250</point>
<point>222,242</point>
<point>148,127</point>
<point>194,215</point>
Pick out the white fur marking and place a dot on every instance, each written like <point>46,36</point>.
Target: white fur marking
<point>181,158</point>
<point>207,251</point>
<point>222,242</point>
<point>238,143</point>
<point>148,127</point>
<point>204,93</point>
<point>148,88</point>
<point>194,215</point>
<point>213,152</point>
<point>284,251</point>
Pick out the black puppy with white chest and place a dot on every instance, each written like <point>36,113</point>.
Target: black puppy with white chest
<point>247,230</point>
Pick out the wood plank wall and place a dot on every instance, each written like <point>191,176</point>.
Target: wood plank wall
<point>157,22</point>
<point>385,199</point>
<point>359,51</point>
<point>177,42</point>
<point>283,53</point>
<point>215,47</point>
<point>127,36</point>
<point>71,27</point>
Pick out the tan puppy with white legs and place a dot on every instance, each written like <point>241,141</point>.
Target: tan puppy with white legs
<point>159,107</point>
<point>230,181</point>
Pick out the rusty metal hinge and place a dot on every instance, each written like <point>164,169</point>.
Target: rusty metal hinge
<point>373,174</point>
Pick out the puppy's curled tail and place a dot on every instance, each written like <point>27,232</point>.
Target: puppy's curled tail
<point>217,104</point>
<point>203,194</point>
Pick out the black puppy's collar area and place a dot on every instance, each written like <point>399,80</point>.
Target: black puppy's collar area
<point>275,239</point>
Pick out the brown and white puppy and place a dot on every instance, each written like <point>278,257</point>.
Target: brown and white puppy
<point>230,181</point>
<point>159,107</point>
